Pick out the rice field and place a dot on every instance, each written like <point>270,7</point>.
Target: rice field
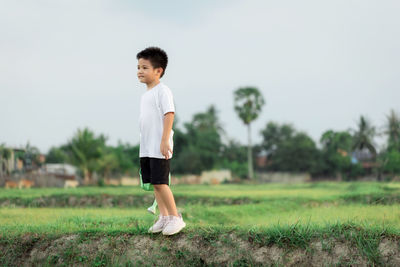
<point>318,203</point>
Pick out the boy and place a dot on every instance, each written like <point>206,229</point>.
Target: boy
<point>156,144</point>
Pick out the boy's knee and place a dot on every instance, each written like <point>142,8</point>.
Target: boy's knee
<point>158,186</point>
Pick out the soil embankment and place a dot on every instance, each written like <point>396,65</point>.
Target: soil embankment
<point>206,247</point>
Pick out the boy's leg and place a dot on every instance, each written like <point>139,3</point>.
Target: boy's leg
<point>160,202</point>
<point>160,178</point>
<point>145,168</point>
<point>165,195</point>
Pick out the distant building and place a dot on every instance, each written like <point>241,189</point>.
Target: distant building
<point>60,168</point>
<point>14,163</point>
<point>365,157</point>
<point>262,159</point>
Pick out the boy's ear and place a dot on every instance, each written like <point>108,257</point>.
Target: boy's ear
<point>160,70</point>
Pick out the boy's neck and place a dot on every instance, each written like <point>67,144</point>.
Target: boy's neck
<point>152,84</point>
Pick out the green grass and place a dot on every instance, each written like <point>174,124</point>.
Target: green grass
<point>67,220</point>
<point>321,190</point>
<point>289,216</point>
<point>315,203</point>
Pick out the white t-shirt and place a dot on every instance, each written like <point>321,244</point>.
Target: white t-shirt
<point>151,120</point>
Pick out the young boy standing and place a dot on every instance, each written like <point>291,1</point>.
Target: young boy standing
<point>156,143</point>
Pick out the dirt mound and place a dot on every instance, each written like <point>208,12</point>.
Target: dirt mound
<point>188,249</point>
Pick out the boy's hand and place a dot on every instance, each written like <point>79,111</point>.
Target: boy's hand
<point>165,149</point>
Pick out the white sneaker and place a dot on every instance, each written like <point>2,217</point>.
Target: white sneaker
<point>160,224</point>
<point>174,225</point>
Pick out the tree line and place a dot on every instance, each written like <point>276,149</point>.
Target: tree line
<point>203,144</point>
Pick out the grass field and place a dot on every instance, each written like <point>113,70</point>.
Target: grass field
<point>284,215</point>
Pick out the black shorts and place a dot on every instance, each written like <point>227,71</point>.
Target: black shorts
<point>154,170</point>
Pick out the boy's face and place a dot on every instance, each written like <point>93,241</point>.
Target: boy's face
<point>146,73</point>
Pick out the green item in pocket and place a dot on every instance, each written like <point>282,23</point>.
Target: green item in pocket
<point>149,186</point>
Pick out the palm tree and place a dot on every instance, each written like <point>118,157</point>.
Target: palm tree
<point>108,163</point>
<point>364,135</point>
<point>85,149</point>
<point>393,130</point>
<point>248,102</point>
<point>209,120</point>
<point>363,138</point>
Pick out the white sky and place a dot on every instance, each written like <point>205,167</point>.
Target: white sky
<point>319,64</point>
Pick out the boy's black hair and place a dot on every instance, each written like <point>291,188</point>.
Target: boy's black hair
<point>157,57</point>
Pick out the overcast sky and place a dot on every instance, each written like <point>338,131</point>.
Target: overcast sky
<point>66,65</point>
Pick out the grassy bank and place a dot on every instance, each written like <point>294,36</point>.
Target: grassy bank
<point>338,244</point>
<point>316,224</point>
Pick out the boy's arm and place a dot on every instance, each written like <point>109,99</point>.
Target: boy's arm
<point>165,146</point>
<point>168,121</point>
